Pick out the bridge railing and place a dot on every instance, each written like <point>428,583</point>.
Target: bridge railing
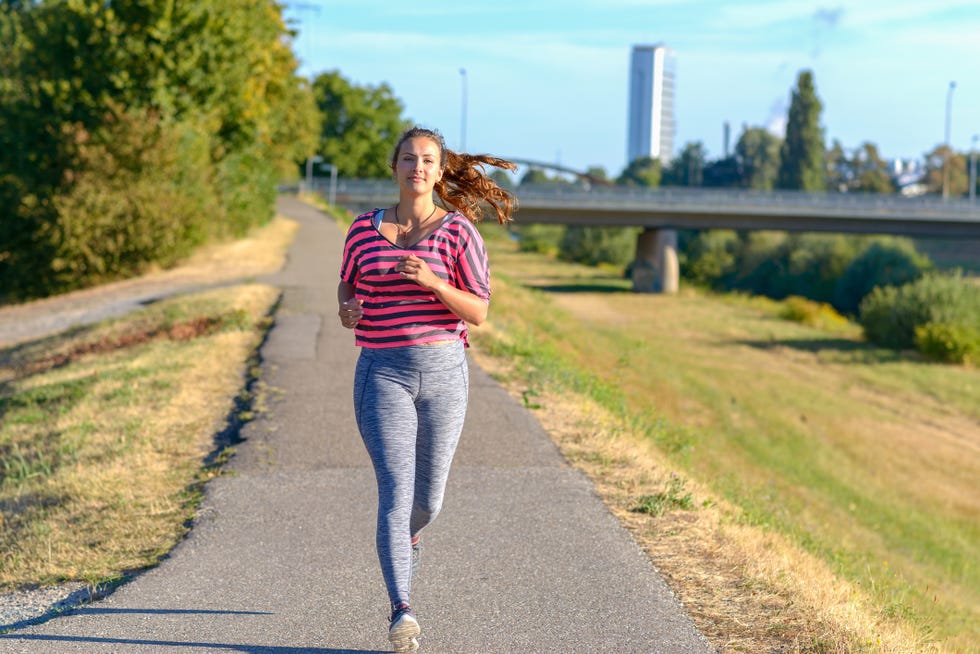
<point>359,191</point>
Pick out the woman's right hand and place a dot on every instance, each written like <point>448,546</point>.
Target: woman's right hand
<point>350,312</point>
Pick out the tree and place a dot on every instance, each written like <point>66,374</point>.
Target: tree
<point>361,125</point>
<point>862,172</point>
<point>757,155</point>
<point>872,170</point>
<point>840,168</point>
<point>959,176</point>
<point>642,171</point>
<point>688,168</point>
<point>212,80</point>
<point>722,173</point>
<point>801,157</point>
<point>597,174</point>
<point>537,176</point>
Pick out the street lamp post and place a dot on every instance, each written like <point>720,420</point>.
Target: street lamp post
<point>949,114</point>
<point>973,167</point>
<point>309,171</point>
<point>462,128</point>
<point>332,197</point>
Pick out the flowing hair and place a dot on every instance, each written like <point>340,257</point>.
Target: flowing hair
<point>465,183</point>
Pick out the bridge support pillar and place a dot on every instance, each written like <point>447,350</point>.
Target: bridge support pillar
<point>655,269</point>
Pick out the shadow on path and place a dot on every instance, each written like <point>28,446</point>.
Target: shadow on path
<point>176,644</point>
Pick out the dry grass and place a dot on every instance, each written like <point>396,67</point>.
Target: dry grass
<point>748,590</point>
<point>106,430</point>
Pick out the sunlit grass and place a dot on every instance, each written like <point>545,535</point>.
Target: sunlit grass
<point>865,457</point>
<point>105,431</point>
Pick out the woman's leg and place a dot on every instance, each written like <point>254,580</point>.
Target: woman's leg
<point>441,410</point>
<point>386,416</point>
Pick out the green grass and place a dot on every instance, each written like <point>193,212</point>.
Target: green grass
<point>866,457</point>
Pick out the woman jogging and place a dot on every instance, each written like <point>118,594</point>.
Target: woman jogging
<point>413,276</point>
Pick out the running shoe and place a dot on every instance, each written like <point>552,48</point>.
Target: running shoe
<point>404,630</point>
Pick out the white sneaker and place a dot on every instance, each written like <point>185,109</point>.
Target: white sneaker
<point>404,630</point>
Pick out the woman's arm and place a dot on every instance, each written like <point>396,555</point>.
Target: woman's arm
<point>464,304</point>
<point>350,310</point>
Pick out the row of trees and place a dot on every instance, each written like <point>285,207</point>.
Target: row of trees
<point>361,125</point>
<point>133,130</point>
<point>800,161</point>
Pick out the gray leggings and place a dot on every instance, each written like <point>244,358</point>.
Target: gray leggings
<point>410,403</point>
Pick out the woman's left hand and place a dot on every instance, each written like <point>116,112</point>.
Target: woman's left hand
<point>414,268</point>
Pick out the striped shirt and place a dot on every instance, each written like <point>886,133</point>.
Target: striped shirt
<point>399,312</point>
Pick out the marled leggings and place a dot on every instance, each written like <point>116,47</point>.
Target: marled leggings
<point>410,403</point>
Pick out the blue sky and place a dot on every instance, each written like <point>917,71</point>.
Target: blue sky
<point>547,80</point>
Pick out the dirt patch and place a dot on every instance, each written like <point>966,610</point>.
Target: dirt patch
<point>179,331</point>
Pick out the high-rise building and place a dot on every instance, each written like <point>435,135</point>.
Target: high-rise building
<point>651,103</point>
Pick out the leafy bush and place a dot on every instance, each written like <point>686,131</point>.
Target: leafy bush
<point>816,314</point>
<point>247,189</point>
<point>595,245</point>
<point>833,269</point>
<point>948,302</point>
<point>949,343</point>
<point>708,257</point>
<point>134,199</point>
<point>777,266</point>
<point>119,150</point>
<point>538,238</point>
<point>884,262</point>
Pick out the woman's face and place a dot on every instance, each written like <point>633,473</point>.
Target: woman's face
<point>417,165</point>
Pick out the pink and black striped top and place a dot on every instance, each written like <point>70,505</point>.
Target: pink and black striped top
<point>397,311</point>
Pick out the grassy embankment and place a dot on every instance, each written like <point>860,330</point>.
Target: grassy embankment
<point>797,486</point>
<point>108,432</point>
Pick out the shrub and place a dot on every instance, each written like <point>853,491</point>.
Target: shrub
<point>949,343</point>
<point>807,265</point>
<point>948,302</point>
<point>247,189</point>
<point>816,314</point>
<point>709,256</point>
<point>134,198</point>
<point>538,238</point>
<point>595,245</point>
<point>884,262</point>
<point>24,254</point>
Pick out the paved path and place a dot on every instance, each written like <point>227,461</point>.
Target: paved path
<point>281,560</point>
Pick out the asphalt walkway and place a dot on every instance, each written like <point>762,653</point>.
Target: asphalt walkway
<point>525,558</point>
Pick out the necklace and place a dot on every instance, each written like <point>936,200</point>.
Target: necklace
<point>403,234</point>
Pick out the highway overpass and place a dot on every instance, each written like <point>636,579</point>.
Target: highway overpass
<point>662,211</point>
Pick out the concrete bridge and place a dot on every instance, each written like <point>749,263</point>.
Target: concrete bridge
<point>663,211</point>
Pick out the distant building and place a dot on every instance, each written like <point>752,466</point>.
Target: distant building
<point>651,125</point>
<point>909,177</point>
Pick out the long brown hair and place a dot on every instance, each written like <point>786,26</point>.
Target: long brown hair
<point>465,183</point>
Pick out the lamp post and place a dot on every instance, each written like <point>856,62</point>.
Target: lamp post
<point>332,196</point>
<point>949,114</point>
<point>973,167</point>
<point>309,171</point>
<point>462,128</point>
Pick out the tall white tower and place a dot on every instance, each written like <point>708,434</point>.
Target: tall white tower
<point>651,104</point>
